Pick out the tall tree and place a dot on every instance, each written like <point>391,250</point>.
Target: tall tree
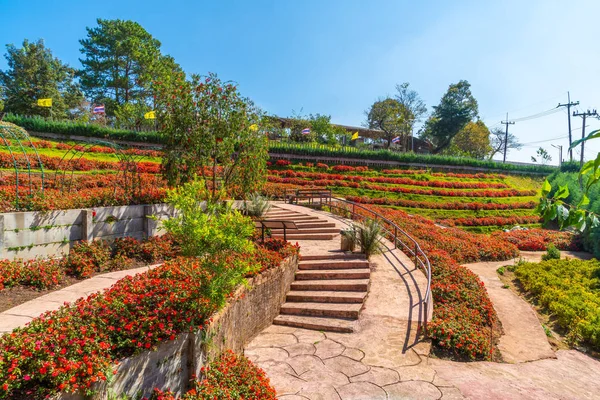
<point>32,74</point>
<point>457,108</point>
<point>121,61</point>
<point>416,107</point>
<point>472,141</point>
<point>389,116</point>
<point>497,140</point>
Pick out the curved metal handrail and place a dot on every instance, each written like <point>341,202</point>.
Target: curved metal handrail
<point>420,258</point>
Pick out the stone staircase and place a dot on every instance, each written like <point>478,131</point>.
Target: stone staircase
<point>330,288</point>
<point>309,227</point>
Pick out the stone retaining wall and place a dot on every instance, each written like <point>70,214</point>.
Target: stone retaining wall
<point>172,365</point>
<point>34,234</point>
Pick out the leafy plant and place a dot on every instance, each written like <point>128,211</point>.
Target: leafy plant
<point>369,235</point>
<point>552,253</point>
<point>257,205</point>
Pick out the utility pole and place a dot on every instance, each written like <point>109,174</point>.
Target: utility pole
<point>588,113</point>
<point>559,147</point>
<point>507,123</point>
<point>569,105</point>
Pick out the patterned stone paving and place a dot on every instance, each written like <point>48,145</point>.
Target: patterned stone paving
<point>304,364</point>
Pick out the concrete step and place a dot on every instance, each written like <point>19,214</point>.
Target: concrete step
<point>306,218</point>
<point>363,273</point>
<point>333,264</point>
<point>338,255</point>
<point>302,236</point>
<point>311,224</point>
<point>335,310</point>
<point>329,285</point>
<point>317,224</point>
<point>315,323</point>
<point>306,230</point>
<point>322,296</point>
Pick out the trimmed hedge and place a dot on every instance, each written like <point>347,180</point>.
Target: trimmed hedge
<point>387,155</point>
<point>38,124</point>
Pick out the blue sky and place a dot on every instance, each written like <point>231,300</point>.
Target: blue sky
<point>338,56</point>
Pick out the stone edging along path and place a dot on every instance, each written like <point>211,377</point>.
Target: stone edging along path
<point>24,313</point>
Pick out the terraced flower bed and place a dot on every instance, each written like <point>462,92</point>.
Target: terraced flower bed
<point>76,346</point>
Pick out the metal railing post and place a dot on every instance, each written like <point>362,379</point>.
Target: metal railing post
<point>395,237</point>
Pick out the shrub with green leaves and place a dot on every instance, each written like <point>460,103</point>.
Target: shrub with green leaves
<point>369,235</point>
<point>552,253</point>
<point>570,290</point>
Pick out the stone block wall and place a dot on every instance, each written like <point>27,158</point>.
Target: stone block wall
<point>34,234</point>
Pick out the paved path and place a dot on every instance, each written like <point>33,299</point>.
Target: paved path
<point>382,359</point>
<point>524,338</point>
<point>572,375</point>
<point>24,313</point>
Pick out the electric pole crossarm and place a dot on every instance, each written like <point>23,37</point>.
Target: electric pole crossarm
<point>584,115</point>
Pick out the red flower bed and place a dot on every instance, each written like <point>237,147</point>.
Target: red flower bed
<point>539,239</point>
<point>474,206</point>
<point>71,163</point>
<point>463,314</point>
<point>228,377</point>
<point>427,192</point>
<point>390,180</point>
<point>444,174</point>
<point>72,348</point>
<point>491,221</point>
<point>39,274</point>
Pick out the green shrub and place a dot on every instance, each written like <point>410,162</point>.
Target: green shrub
<point>369,236</point>
<point>552,253</point>
<point>257,205</point>
<point>569,290</point>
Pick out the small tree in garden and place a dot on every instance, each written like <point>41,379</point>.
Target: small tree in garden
<point>212,131</point>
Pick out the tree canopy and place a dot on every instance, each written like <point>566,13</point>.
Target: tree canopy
<point>120,62</point>
<point>391,117</point>
<point>497,139</point>
<point>472,141</point>
<point>416,108</point>
<point>212,131</point>
<point>457,108</point>
<point>34,73</point>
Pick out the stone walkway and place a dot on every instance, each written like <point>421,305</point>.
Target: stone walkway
<point>24,313</point>
<point>524,338</point>
<point>382,359</point>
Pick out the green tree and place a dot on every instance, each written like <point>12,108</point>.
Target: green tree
<point>497,139</point>
<point>391,117</point>
<point>457,108</point>
<point>211,130</point>
<point>121,60</point>
<point>542,156</point>
<point>472,141</point>
<point>412,102</point>
<point>32,74</point>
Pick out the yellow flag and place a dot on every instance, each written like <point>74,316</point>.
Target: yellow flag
<point>44,102</point>
<point>355,136</point>
<point>150,115</point>
<point>253,127</point>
